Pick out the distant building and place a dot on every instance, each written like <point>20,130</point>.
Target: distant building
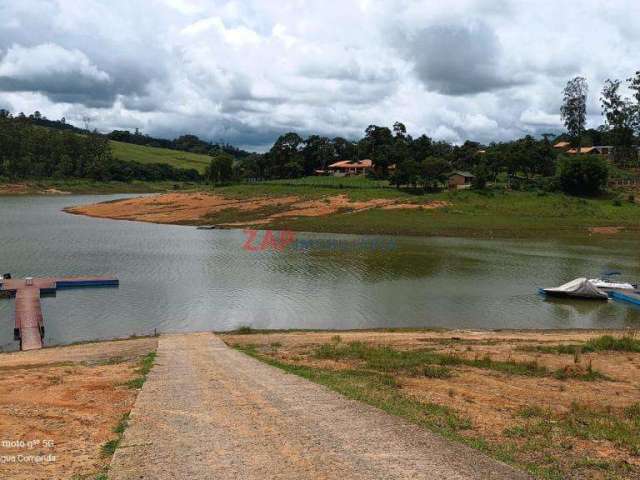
<point>564,146</point>
<point>460,180</point>
<point>348,167</point>
<point>603,151</point>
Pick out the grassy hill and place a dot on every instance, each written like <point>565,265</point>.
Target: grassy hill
<point>175,158</point>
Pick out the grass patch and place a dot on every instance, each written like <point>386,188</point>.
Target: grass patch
<point>387,359</point>
<point>144,154</point>
<point>122,424</point>
<point>434,371</point>
<point>146,364</point>
<point>531,411</point>
<point>592,424</point>
<point>471,214</point>
<point>603,343</point>
<point>109,448</point>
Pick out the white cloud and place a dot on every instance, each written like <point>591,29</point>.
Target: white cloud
<point>248,70</point>
<point>47,60</point>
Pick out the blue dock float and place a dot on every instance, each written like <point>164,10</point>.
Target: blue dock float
<point>80,283</point>
<point>629,297</point>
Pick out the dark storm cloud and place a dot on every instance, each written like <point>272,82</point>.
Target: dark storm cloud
<point>458,59</point>
<point>228,130</point>
<point>66,75</point>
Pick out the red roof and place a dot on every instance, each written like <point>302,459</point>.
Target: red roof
<point>347,164</point>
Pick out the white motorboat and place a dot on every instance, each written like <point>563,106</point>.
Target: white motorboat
<point>607,285</point>
<point>581,288</point>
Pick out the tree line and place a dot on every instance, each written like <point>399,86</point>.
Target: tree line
<point>186,143</point>
<point>400,158</point>
<point>30,151</point>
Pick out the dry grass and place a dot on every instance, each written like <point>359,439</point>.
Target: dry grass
<point>75,397</point>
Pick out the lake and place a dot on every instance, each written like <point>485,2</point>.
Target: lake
<point>176,278</point>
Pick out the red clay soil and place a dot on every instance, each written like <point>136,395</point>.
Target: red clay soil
<point>195,208</point>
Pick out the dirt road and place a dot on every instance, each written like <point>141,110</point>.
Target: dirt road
<point>210,412</point>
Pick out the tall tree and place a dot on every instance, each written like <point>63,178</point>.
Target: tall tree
<point>619,116</point>
<point>286,156</point>
<point>344,149</point>
<point>574,108</point>
<point>634,86</point>
<point>318,152</point>
<point>377,144</point>
<point>433,171</point>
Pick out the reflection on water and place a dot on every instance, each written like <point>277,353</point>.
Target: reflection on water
<point>180,279</point>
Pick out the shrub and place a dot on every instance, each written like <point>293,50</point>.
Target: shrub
<point>583,175</point>
<point>481,175</point>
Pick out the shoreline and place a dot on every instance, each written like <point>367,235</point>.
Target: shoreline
<point>504,333</point>
<point>461,214</point>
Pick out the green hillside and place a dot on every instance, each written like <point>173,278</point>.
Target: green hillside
<point>143,154</point>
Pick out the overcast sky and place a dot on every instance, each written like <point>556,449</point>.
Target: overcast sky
<point>246,71</point>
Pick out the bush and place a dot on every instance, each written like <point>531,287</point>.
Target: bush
<point>583,175</point>
<point>481,175</point>
<point>550,184</point>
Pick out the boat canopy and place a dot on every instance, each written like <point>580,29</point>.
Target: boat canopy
<point>580,287</point>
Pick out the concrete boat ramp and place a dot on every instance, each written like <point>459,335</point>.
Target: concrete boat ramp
<point>209,412</point>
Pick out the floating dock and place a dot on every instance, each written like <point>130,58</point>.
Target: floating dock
<point>626,296</point>
<point>29,322</point>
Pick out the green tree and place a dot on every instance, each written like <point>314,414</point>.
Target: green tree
<point>620,116</point>
<point>286,156</point>
<point>407,172</point>
<point>480,176</point>
<point>583,175</point>
<point>433,172</point>
<point>574,108</point>
<point>220,169</point>
<point>318,152</point>
<point>344,149</point>
<point>377,145</point>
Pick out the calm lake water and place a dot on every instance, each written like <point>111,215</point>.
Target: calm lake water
<point>183,279</point>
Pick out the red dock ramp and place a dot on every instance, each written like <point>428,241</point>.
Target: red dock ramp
<point>29,321</point>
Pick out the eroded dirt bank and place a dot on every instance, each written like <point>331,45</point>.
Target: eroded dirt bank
<point>59,406</point>
<point>203,208</point>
